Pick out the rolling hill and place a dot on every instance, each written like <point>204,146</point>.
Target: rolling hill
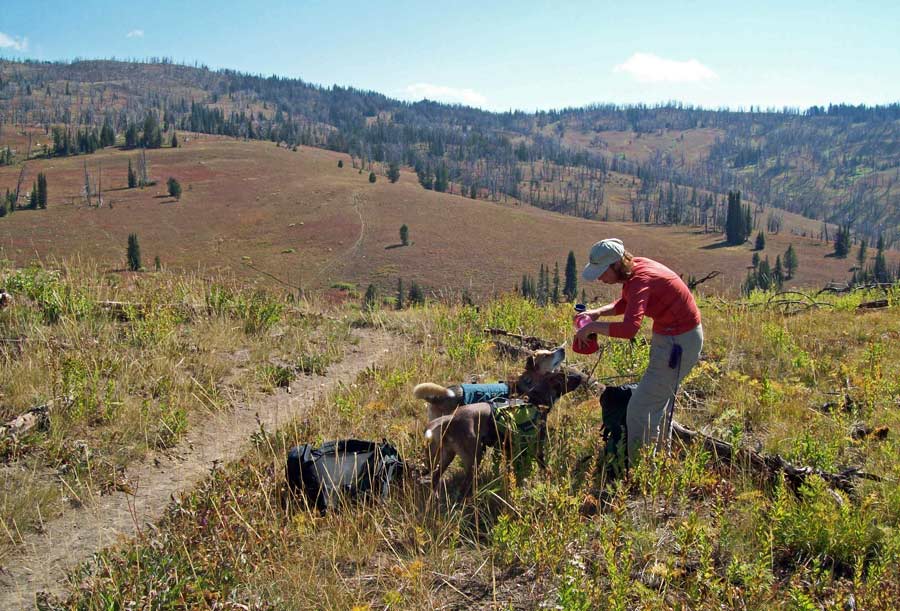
<point>260,210</point>
<point>836,166</point>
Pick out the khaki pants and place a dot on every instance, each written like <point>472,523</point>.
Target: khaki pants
<point>649,417</point>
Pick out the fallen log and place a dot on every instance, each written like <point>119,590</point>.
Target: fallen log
<point>769,467</point>
<point>529,341</point>
<point>35,417</point>
<point>871,305</point>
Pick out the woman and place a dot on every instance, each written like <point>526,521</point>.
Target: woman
<point>648,289</point>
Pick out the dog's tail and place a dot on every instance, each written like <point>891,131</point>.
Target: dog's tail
<point>432,392</point>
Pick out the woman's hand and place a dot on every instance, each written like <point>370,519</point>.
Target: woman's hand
<point>607,310</point>
<point>595,313</point>
<point>593,328</point>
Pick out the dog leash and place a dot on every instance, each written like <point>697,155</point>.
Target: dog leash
<point>587,382</point>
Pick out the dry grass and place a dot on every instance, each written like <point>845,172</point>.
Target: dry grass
<point>125,386</point>
<point>679,532</point>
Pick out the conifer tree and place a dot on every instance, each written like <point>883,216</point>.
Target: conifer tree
<point>861,255</point>
<point>737,227</point>
<point>441,178</point>
<point>174,140</point>
<point>764,275</point>
<point>393,172</point>
<point>372,177</point>
<point>370,298</point>
<point>134,253</point>
<point>132,177</point>
<point>107,134</point>
<point>404,234</point>
<point>880,270</point>
<point>542,286</point>
<point>33,199</point>
<point>790,261</point>
<point>842,242</point>
<point>778,273</point>
<point>416,296</point>
<point>570,286</point>
<point>152,135</point>
<point>399,301</point>
<point>131,136</point>
<point>554,295</point>
<point>760,241</point>
<point>425,175</point>
<point>174,188</point>
<point>749,284</point>
<point>340,163</point>
<point>41,190</point>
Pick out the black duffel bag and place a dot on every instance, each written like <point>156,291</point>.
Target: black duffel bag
<point>347,468</point>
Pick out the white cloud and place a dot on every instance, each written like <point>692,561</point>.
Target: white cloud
<point>442,93</point>
<point>649,68</point>
<point>135,34</point>
<point>13,42</point>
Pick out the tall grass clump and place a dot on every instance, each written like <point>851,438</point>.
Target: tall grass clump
<point>127,365</point>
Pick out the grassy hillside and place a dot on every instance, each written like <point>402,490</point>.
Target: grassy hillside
<point>837,165</point>
<point>678,532</point>
<point>298,216</point>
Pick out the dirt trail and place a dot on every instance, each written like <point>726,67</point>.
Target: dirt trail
<point>353,250</point>
<point>44,558</point>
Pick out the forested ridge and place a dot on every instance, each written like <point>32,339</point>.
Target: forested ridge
<point>838,164</point>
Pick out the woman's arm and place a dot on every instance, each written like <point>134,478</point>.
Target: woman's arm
<point>607,310</point>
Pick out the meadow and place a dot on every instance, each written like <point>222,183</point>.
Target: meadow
<point>680,531</point>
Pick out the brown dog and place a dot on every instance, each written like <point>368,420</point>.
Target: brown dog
<point>469,429</point>
<point>541,383</point>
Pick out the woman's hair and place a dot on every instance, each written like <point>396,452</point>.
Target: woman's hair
<point>626,269</point>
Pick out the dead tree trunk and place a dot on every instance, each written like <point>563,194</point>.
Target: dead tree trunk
<point>769,467</point>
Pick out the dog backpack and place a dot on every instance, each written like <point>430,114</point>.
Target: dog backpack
<point>483,393</point>
<point>347,469</point>
<point>519,427</point>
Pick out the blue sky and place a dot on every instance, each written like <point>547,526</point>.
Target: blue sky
<point>501,55</point>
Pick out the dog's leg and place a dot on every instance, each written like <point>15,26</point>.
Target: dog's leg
<point>469,481</point>
<point>470,453</point>
<point>442,455</point>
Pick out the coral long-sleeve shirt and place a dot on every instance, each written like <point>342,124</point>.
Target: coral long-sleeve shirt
<point>655,291</point>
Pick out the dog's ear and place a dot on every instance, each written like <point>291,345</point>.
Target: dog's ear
<point>529,364</point>
<point>559,355</point>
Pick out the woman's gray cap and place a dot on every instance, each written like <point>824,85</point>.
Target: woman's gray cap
<point>603,254</point>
